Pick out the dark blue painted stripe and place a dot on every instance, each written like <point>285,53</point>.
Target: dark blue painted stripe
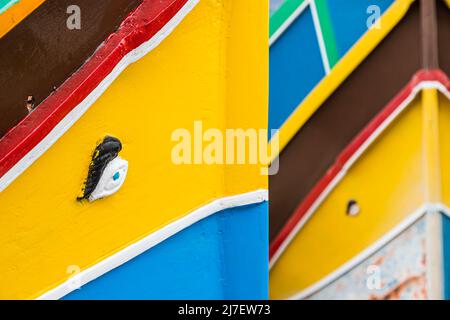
<point>446,249</point>
<point>295,68</point>
<point>224,256</point>
<point>296,65</point>
<point>349,20</point>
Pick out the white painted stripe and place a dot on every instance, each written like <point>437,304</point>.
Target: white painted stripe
<point>345,268</point>
<point>417,89</point>
<point>299,226</point>
<point>73,116</point>
<point>8,5</point>
<point>387,238</point>
<point>320,39</point>
<point>152,240</point>
<point>287,23</point>
<point>442,208</point>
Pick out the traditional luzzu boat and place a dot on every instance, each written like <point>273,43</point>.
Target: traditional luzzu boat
<point>92,203</point>
<point>360,206</point>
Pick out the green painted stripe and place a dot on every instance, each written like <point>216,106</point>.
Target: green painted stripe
<point>282,14</point>
<point>286,10</point>
<point>327,32</point>
<point>6,4</point>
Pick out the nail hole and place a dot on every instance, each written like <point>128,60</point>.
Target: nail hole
<point>353,208</point>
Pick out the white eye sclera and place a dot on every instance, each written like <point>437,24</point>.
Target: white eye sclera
<point>111,180</point>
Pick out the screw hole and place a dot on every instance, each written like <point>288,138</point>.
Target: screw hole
<point>30,103</point>
<point>353,208</point>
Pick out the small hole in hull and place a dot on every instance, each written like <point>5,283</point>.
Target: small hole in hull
<point>353,208</point>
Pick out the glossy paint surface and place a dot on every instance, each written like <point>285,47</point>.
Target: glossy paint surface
<point>295,68</point>
<point>367,90</point>
<point>398,271</point>
<point>221,257</point>
<point>44,229</point>
<point>385,201</point>
<point>296,65</point>
<point>349,19</point>
<point>25,52</point>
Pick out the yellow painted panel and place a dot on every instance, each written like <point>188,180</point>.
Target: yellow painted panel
<point>43,230</point>
<point>340,72</point>
<point>247,103</point>
<point>433,190</point>
<point>19,11</point>
<point>444,141</point>
<point>387,184</point>
<point>432,174</point>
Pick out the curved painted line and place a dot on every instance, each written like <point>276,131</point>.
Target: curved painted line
<point>282,19</point>
<point>383,241</point>
<point>367,253</point>
<point>152,240</point>
<point>142,31</point>
<point>338,75</point>
<point>423,79</point>
<point>320,37</point>
<point>327,31</point>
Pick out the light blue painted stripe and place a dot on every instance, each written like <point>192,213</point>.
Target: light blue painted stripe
<point>224,256</point>
<point>6,4</point>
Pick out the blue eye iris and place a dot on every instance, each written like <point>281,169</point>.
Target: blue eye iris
<point>116,176</point>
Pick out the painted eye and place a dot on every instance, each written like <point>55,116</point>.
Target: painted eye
<point>111,180</point>
<point>117,177</point>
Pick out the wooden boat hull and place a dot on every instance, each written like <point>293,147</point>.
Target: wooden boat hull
<point>363,167</point>
<point>170,229</point>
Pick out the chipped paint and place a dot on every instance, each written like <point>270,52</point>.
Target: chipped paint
<point>401,268</point>
<point>405,288</point>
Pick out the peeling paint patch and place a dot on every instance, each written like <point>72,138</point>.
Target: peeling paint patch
<point>396,272</point>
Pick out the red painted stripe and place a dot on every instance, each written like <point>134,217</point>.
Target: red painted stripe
<point>350,150</point>
<point>139,27</point>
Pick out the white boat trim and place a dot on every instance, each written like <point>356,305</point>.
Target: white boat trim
<point>152,240</point>
<point>371,250</point>
<point>75,114</point>
<point>414,93</point>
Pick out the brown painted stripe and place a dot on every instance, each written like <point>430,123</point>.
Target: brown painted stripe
<point>443,13</point>
<point>344,114</point>
<point>429,35</point>
<point>40,53</point>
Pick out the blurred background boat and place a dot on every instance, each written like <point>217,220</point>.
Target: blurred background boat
<point>359,91</point>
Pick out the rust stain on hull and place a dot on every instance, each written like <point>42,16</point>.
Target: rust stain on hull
<point>407,285</point>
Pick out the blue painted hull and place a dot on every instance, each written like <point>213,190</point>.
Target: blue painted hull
<point>224,256</point>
